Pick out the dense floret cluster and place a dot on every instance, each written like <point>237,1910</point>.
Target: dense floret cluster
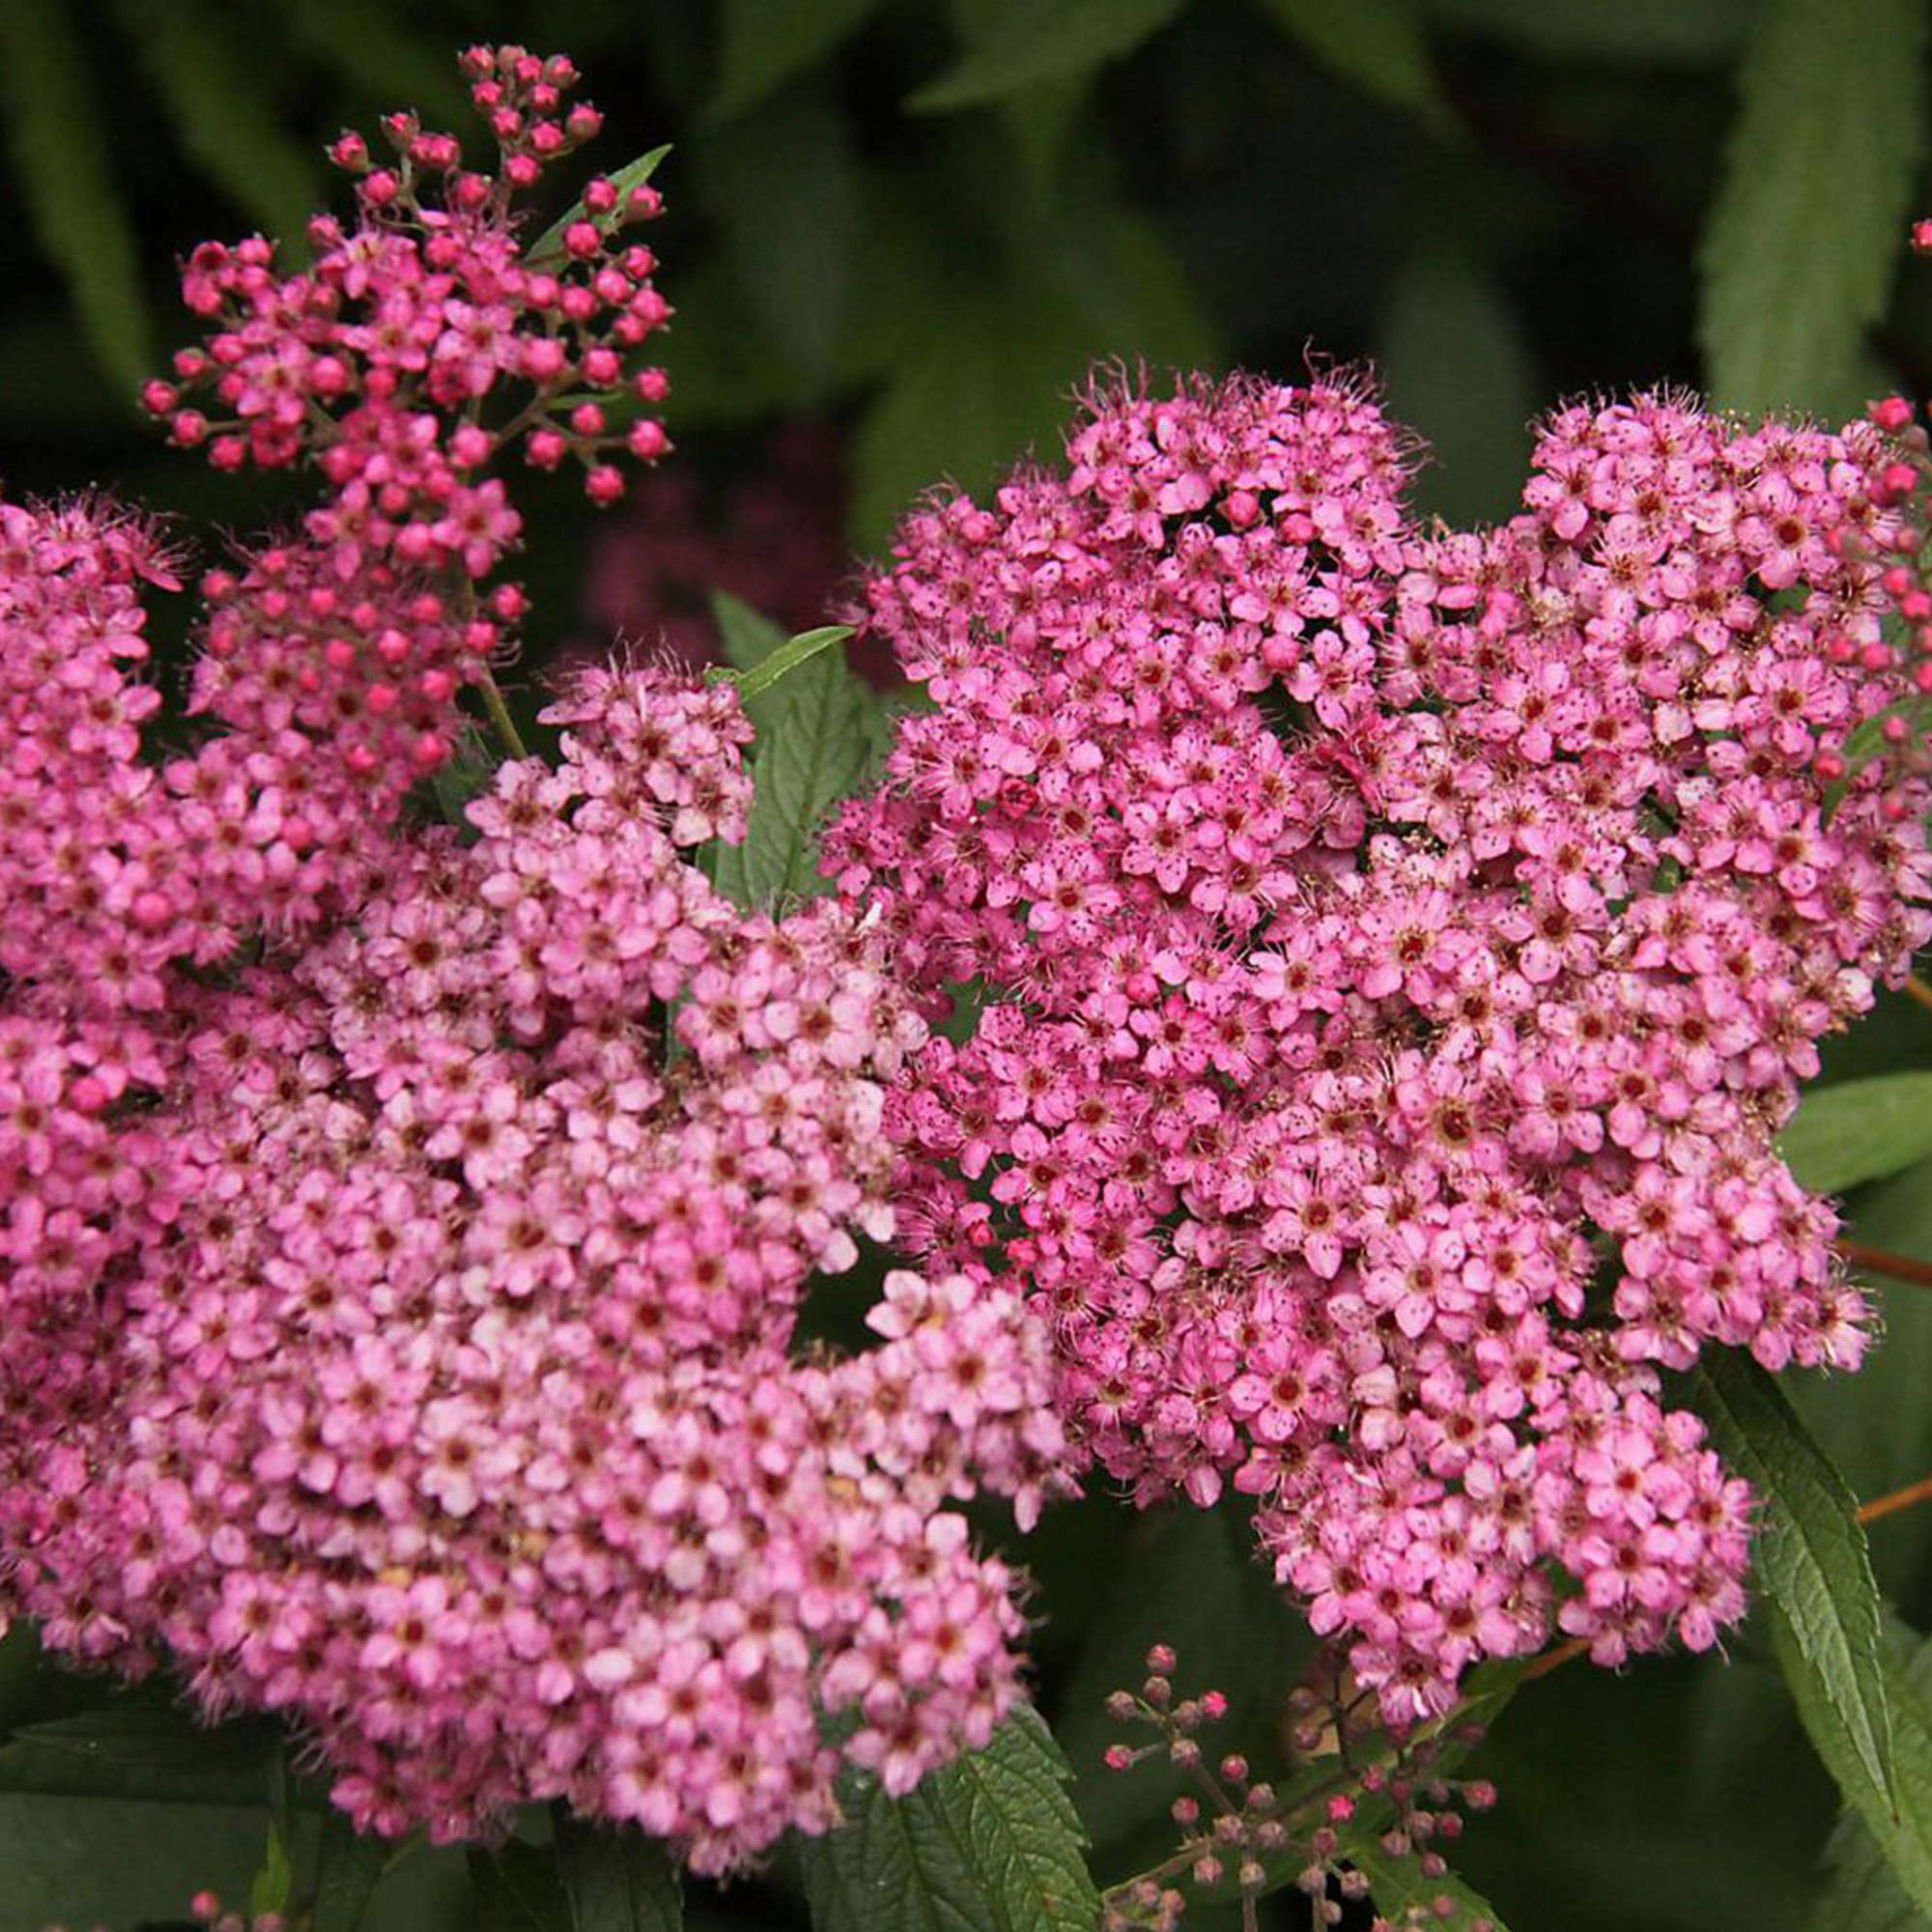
<point>396,1341</point>
<point>1397,952</point>
<point>403,1227</point>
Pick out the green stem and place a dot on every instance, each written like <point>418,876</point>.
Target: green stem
<point>499,718</point>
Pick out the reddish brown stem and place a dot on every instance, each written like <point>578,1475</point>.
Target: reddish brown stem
<point>1899,1499</point>
<point>1552,1660</point>
<point>1882,1260</point>
<point>1916,988</point>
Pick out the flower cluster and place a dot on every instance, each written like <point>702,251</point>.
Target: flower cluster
<point>1402,1801</point>
<point>403,1229</point>
<point>444,1400</point>
<point>427,340</point>
<point>1397,951</point>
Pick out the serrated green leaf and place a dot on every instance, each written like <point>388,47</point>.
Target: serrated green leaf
<point>222,117</point>
<point>1858,1130</point>
<point>1456,365</point>
<point>764,42</point>
<point>519,1889</point>
<point>54,122</point>
<point>348,1867</point>
<point>631,175</point>
<point>990,1843</point>
<point>1810,222</point>
<point>816,724</point>
<point>1379,45</point>
<point>1051,41</point>
<point>1810,1558</point>
<point>616,1880</point>
<point>1406,1896</point>
<point>1896,1830</point>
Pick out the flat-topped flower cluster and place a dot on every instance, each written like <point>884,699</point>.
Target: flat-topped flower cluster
<point>1399,949</point>
<point>403,1227</point>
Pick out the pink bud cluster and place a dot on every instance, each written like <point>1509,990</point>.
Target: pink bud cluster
<point>425,341</point>
<point>1240,1833</point>
<point>436,1390</point>
<point>1399,949</point>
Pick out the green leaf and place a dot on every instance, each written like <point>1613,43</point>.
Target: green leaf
<point>749,638</point>
<point>465,775</point>
<point>55,123</point>
<point>1379,45</point>
<point>519,1889</point>
<point>1810,1556</point>
<point>140,1751</point>
<point>990,1843</point>
<point>616,1880</point>
<point>632,174</point>
<point>1867,740</point>
<point>789,657</point>
<point>765,42</point>
<point>1406,1896</point>
<point>1454,359</point>
<point>1897,1830</point>
<point>1858,1130</point>
<point>816,724</point>
<point>272,1884</point>
<point>1811,220</point>
<point>1049,41</point>
<point>110,1862</point>
<point>1038,120</point>
<point>222,117</point>
<point>1877,1424</point>
<point>989,377</point>
<point>348,1867</point>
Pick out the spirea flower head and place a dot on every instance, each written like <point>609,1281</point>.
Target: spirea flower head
<point>403,1229</point>
<point>442,1400</point>
<point>1400,950</point>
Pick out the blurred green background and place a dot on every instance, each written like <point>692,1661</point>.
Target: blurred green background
<point>900,233</point>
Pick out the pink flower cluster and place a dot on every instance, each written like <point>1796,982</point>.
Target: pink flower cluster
<point>425,341</point>
<point>1399,949</point>
<point>417,1363</point>
<point>403,1230</point>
